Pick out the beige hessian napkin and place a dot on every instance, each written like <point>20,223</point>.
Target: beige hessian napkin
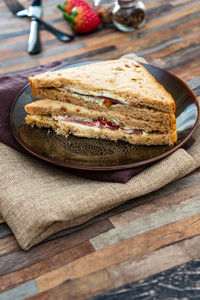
<point>38,199</point>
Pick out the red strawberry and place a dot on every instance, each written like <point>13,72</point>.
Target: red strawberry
<point>83,19</point>
<point>70,4</point>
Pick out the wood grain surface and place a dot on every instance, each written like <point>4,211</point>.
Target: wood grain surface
<point>144,248</point>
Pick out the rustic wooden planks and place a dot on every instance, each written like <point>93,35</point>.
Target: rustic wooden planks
<point>154,262</point>
<point>20,292</point>
<point>165,17</point>
<point>5,230</point>
<point>80,288</point>
<point>144,224</point>
<point>177,283</point>
<point>149,256</point>
<point>32,271</point>
<point>122,251</point>
<point>142,237</point>
<point>8,245</point>
<point>21,259</point>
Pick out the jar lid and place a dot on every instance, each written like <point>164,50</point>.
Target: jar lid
<point>127,3</point>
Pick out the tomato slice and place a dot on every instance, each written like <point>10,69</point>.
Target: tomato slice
<point>108,124</point>
<point>107,102</point>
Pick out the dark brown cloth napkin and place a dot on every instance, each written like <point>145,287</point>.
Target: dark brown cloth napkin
<point>10,87</point>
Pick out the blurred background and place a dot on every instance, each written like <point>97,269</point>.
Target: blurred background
<point>170,38</point>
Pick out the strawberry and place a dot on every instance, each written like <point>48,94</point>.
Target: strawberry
<point>82,19</point>
<point>70,4</point>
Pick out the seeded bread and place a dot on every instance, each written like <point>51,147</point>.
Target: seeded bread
<point>126,110</point>
<point>51,107</point>
<point>123,80</point>
<point>66,128</point>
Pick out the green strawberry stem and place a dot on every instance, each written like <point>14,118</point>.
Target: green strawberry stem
<point>61,7</point>
<point>70,18</point>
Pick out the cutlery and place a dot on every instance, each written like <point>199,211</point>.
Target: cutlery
<point>35,11</point>
<point>18,9</point>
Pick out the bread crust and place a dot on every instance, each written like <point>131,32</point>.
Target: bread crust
<point>117,79</point>
<point>66,128</point>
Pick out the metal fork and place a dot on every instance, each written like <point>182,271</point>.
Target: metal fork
<point>15,7</point>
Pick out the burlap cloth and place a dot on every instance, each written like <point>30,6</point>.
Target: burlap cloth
<point>38,199</point>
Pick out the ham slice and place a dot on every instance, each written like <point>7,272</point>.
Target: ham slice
<point>93,123</point>
<point>100,124</point>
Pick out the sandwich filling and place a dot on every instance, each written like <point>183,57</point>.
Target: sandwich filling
<point>102,100</point>
<point>111,124</point>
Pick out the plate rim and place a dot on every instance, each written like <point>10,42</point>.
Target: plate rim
<point>147,162</point>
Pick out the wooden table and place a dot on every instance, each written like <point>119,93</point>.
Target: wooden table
<point>148,248</point>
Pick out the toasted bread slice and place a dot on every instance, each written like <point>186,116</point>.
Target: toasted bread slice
<point>66,128</point>
<point>51,107</point>
<point>142,113</point>
<point>124,80</point>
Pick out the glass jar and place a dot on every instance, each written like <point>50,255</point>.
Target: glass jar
<point>104,9</point>
<point>129,15</point>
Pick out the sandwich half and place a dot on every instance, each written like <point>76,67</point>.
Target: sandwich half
<point>114,100</point>
<point>66,118</point>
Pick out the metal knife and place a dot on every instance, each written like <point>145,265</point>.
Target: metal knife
<point>34,11</point>
<point>30,13</point>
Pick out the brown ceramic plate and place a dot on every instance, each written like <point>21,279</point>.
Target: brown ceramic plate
<point>93,154</point>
